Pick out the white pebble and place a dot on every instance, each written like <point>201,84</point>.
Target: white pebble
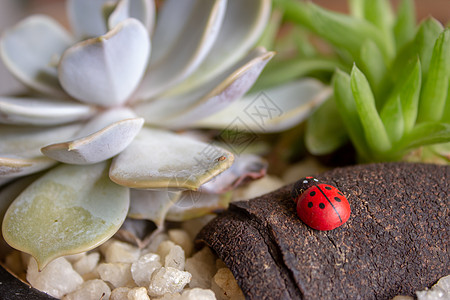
<point>154,244</point>
<point>75,257</point>
<point>164,249</point>
<point>90,290</point>
<point>226,281</point>
<point>87,263</point>
<point>175,258</point>
<point>142,269</point>
<point>202,267</point>
<point>440,291</point>
<point>198,294</point>
<point>168,280</point>
<point>120,252</point>
<point>118,274</point>
<point>173,296</point>
<point>139,293</point>
<point>182,238</point>
<point>120,293</point>
<point>57,278</point>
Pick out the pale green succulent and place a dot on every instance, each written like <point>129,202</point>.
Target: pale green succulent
<point>107,110</point>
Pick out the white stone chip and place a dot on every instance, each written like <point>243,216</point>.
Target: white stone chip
<point>173,296</point>
<point>118,274</point>
<point>154,244</point>
<point>143,268</point>
<point>168,280</point>
<point>202,267</point>
<point>164,249</point>
<point>120,252</point>
<point>175,258</point>
<point>57,278</point>
<point>198,294</point>
<point>139,293</point>
<point>87,263</point>
<point>439,291</point>
<point>225,280</point>
<point>75,257</point>
<point>120,293</point>
<point>182,238</point>
<point>90,290</point>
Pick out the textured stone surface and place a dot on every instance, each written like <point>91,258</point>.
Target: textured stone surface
<point>395,242</point>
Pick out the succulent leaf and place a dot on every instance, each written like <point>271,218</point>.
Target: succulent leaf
<point>106,70</point>
<point>42,112</point>
<point>243,23</point>
<point>151,204</point>
<point>97,147</point>
<point>161,159</point>
<point>59,215</point>
<point>288,104</point>
<point>36,68</point>
<point>210,97</point>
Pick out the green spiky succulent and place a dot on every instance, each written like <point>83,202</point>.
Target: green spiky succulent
<point>390,78</point>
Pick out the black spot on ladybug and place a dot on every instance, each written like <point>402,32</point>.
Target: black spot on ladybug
<point>337,199</point>
<point>340,194</point>
<point>322,206</point>
<point>312,193</point>
<point>328,187</point>
<point>310,204</point>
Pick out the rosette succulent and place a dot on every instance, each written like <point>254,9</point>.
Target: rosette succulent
<point>106,101</point>
<point>107,112</point>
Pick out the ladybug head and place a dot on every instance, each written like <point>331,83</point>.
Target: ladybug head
<point>301,186</point>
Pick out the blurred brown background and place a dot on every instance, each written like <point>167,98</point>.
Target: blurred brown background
<point>11,11</point>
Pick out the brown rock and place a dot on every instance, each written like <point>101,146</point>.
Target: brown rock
<point>395,242</point>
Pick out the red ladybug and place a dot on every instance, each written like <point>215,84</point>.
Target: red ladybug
<point>322,206</point>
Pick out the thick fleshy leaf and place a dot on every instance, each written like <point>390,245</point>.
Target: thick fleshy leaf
<point>31,51</point>
<point>35,111</point>
<point>195,204</point>
<point>20,148</point>
<point>243,24</point>
<point>152,205</point>
<point>325,130</point>
<point>374,130</point>
<point>110,140</point>
<point>106,70</point>
<point>86,17</point>
<point>184,35</point>
<point>69,210</point>
<point>143,10</point>
<point>246,167</point>
<point>161,159</point>
<point>208,99</point>
<point>272,110</point>
<point>96,147</point>
<point>12,190</point>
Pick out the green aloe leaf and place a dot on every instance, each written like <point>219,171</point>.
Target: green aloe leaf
<point>405,23</point>
<point>425,134</point>
<point>434,93</point>
<point>408,89</point>
<point>71,209</point>
<point>325,130</point>
<point>379,13</point>
<point>392,118</point>
<point>421,46</point>
<point>346,106</point>
<point>345,32</point>
<point>372,64</point>
<point>375,132</point>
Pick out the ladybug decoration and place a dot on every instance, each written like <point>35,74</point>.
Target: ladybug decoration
<point>320,206</point>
